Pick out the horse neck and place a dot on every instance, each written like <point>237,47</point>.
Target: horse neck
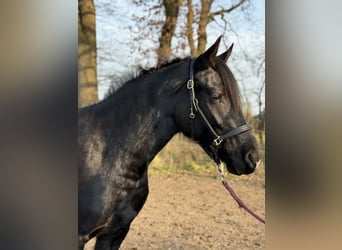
<point>142,112</point>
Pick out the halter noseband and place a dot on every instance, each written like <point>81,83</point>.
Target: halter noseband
<point>194,107</point>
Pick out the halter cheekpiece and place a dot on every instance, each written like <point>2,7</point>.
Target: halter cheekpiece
<point>194,108</point>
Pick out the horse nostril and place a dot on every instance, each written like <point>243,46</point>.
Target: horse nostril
<point>252,158</point>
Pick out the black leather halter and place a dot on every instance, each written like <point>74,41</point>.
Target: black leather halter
<point>194,107</point>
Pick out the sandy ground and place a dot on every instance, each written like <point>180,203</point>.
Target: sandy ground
<point>187,212</point>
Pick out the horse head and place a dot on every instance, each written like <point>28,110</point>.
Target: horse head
<point>212,116</point>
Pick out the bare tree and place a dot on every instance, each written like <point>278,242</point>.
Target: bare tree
<point>87,79</point>
<point>193,21</point>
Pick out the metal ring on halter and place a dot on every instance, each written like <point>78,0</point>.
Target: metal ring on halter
<point>190,84</point>
<point>192,114</point>
<point>217,141</point>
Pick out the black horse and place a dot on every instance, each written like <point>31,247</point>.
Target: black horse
<point>119,137</point>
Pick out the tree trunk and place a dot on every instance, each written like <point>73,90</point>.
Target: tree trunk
<point>171,14</point>
<point>189,31</point>
<point>202,26</point>
<point>87,79</point>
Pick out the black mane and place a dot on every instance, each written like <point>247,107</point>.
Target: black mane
<point>140,73</point>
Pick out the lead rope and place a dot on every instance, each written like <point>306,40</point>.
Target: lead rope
<point>234,195</point>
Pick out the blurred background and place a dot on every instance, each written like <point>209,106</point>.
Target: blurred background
<point>38,96</point>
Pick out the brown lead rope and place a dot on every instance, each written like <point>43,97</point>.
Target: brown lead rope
<point>236,198</point>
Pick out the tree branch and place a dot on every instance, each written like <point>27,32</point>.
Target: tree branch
<point>223,11</point>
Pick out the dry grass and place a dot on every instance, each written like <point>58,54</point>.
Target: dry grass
<point>181,156</point>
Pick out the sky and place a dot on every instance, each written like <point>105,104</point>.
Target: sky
<point>115,39</point>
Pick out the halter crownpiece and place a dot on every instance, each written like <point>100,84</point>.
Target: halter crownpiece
<point>194,107</point>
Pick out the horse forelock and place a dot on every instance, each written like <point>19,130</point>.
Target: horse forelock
<point>230,84</point>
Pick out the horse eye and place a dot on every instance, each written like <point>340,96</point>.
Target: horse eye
<point>216,96</point>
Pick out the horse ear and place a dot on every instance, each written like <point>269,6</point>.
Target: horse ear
<point>225,55</point>
<point>208,58</point>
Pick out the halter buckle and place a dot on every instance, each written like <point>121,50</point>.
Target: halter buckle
<point>190,84</point>
<point>217,141</point>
